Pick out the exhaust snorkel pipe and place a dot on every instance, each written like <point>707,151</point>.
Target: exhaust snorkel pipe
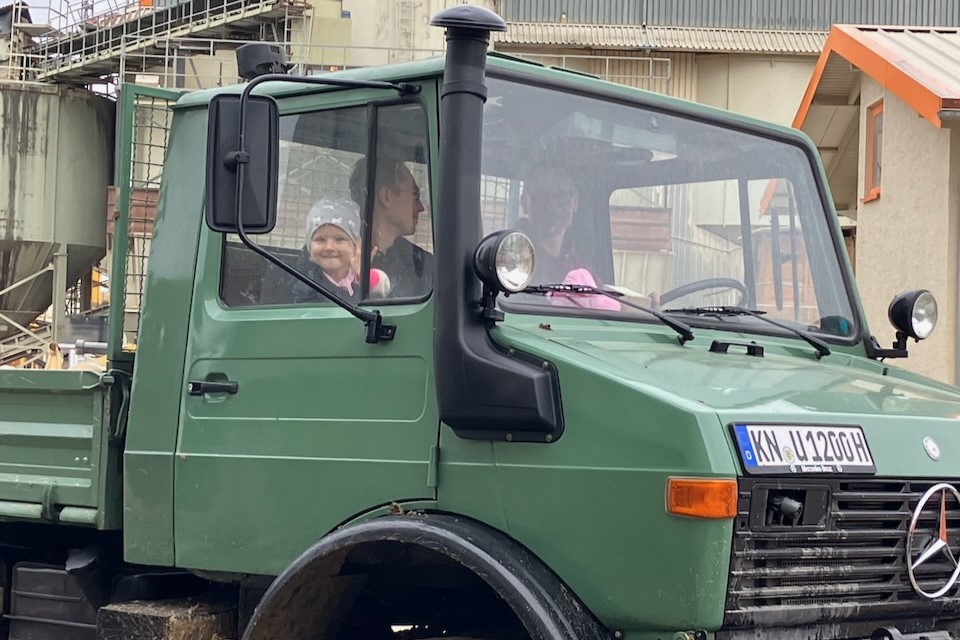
<point>484,390</point>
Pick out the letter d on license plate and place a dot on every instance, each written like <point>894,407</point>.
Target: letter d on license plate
<point>785,448</point>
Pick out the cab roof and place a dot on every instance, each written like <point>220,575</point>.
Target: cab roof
<point>433,68</point>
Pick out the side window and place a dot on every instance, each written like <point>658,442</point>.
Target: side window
<point>873,151</point>
<point>328,226</point>
<point>317,152</point>
<point>397,206</point>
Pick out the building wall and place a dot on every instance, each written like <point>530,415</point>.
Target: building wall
<point>381,27</point>
<point>907,238</point>
<point>673,74</point>
<point>323,38</point>
<point>670,73</point>
<point>766,87</point>
<point>206,71</point>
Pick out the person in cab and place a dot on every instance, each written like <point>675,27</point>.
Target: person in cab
<point>396,209</point>
<point>331,251</point>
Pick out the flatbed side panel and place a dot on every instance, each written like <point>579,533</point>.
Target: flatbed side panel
<point>51,445</point>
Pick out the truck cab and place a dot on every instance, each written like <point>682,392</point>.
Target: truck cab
<point>593,366</point>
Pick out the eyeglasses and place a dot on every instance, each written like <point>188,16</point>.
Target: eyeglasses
<point>415,192</point>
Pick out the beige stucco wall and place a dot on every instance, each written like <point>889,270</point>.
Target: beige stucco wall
<point>379,26</point>
<point>321,38</point>
<point>206,71</point>
<point>907,238</point>
<point>672,73</point>
<point>766,87</point>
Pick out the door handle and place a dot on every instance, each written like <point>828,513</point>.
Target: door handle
<point>200,387</point>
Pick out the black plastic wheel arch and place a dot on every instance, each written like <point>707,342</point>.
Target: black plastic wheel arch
<point>545,606</point>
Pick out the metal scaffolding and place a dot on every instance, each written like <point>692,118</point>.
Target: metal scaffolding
<point>151,52</point>
<point>81,47</point>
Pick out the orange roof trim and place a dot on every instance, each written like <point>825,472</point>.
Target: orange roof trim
<point>898,73</point>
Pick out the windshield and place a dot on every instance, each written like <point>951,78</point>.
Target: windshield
<point>669,212</point>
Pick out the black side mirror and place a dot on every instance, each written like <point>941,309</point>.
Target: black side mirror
<point>255,165</point>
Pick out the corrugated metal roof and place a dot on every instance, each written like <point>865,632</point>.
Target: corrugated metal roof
<point>664,38</point>
<point>772,15</point>
<point>932,56</point>
<point>921,66</point>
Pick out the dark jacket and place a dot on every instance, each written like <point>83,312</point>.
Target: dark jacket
<point>551,269</point>
<point>302,292</point>
<point>409,267</point>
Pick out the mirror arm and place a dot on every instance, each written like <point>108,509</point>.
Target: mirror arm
<point>376,330</point>
<point>403,88</point>
<point>488,307</point>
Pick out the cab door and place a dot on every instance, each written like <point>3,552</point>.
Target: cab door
<point>310,425</point>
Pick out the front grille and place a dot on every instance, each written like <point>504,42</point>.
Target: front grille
<point>849,565</point>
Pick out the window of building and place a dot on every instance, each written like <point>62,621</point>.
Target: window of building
<point>874,149</point>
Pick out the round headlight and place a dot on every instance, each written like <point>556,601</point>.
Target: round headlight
<point>924,315</point>
<point>504,261</point>
<point>914,313</point>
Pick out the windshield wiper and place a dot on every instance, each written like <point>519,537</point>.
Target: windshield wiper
<point>682,329</point>
<point>823,349</point>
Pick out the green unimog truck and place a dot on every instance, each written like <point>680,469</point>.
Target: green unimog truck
<point>599,370</point>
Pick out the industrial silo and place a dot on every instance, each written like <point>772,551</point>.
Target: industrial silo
<point>56,152</point>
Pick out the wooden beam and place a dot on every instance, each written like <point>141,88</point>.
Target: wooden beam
<point>854,96</point>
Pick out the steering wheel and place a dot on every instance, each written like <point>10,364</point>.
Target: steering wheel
<point>700,285</point>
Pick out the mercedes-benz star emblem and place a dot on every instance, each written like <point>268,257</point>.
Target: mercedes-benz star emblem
<point>932,448</point>
<point>929,545</point>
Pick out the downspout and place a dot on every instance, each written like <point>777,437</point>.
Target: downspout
<point>950,118</point>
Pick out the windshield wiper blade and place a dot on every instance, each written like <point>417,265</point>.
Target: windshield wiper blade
<point>823,349</point>
<point>683,330</point>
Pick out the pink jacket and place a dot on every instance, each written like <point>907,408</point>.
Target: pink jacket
<point>583,300</point>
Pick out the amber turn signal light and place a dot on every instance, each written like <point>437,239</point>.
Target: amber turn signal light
<point>702,498</point>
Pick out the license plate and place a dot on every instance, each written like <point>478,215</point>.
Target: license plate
<point>782,448</point>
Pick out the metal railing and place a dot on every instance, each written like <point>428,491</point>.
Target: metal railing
<point>168,54</point>
<point>202,63</point>
<point>80,47</point>
<point>643,72</point>
<point>24,349</point>
<point>196,63</point>
<point>103,47</point>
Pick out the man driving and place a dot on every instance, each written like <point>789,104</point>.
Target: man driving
<point>396,207</point>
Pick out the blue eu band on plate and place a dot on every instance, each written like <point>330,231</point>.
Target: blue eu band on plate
<point>795,449</point>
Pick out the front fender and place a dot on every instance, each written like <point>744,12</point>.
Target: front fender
<point>544,605</point>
